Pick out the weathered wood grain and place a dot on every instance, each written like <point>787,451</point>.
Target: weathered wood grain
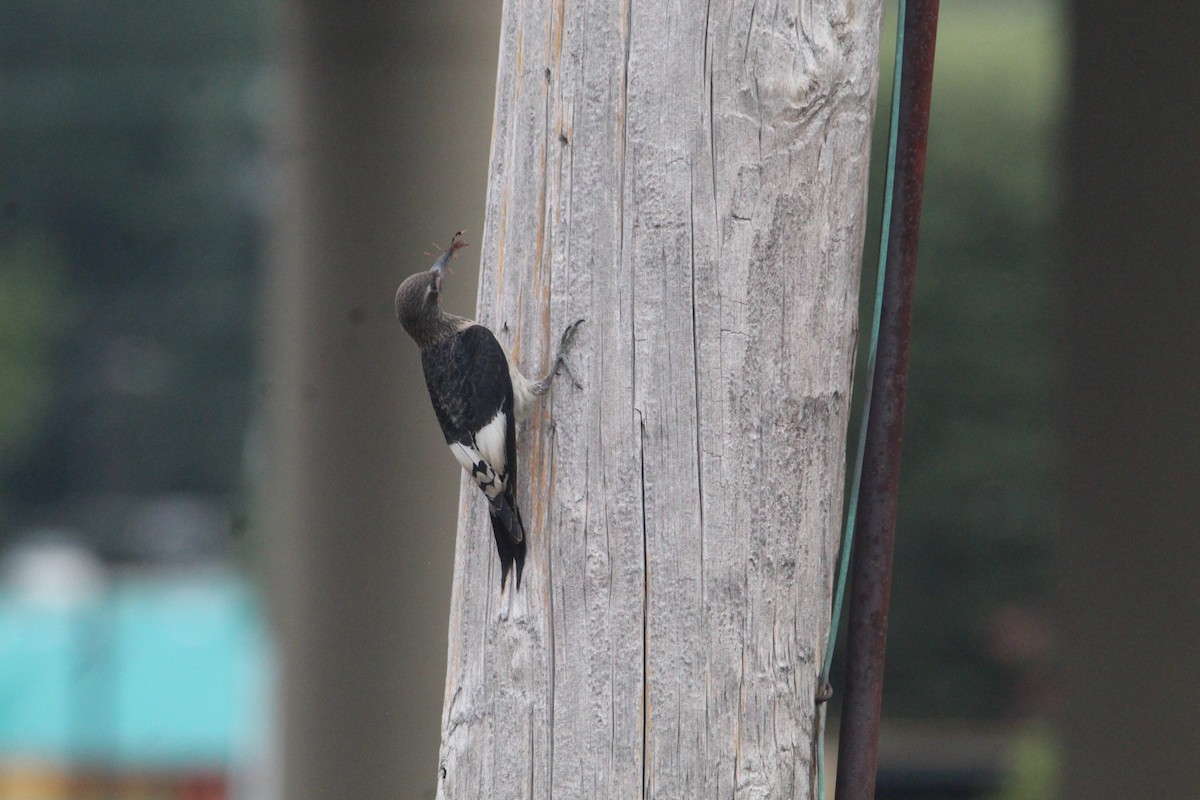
<point>690,179</point>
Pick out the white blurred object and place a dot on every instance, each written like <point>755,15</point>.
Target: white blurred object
<point>50,567</point>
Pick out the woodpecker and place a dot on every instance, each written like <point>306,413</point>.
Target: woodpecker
<point>478,393</point>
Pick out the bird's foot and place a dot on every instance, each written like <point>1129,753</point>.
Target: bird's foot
<point>564,342</point>
<point>560,362</point>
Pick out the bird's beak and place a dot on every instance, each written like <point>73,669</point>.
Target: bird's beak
<point>439,266</point>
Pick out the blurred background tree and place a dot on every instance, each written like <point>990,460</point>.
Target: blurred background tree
<point>978,504</point>
<point>131,180</point>
<point>33,317</point>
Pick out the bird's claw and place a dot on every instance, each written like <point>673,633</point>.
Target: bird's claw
<point>564,365</point>
<point>564,341</point>
<point>539,388</point>
<point>568,334</point>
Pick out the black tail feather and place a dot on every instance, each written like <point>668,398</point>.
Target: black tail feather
<point>509,532</point>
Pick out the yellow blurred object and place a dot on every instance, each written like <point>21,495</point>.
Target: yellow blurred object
<point>34,781</point>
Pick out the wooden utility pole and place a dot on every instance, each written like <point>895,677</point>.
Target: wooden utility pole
<point>690,179</point>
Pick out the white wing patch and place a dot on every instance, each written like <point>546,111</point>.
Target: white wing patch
<point>486,461</point>
<point>492,442</point>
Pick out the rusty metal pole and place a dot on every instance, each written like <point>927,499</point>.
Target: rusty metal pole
<point>871,560</point>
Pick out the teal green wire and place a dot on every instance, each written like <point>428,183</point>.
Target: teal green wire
<point>839,592</point>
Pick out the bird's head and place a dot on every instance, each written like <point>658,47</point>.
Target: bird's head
<point>419,298</point>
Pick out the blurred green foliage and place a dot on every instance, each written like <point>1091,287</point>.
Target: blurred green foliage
<point>33,316</point>
<point>1036,766</point>
<point>130,183</point>
<point>968,634</point>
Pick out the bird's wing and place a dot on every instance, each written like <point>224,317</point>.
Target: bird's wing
<point>475,456</point>
<point>469,384</point>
